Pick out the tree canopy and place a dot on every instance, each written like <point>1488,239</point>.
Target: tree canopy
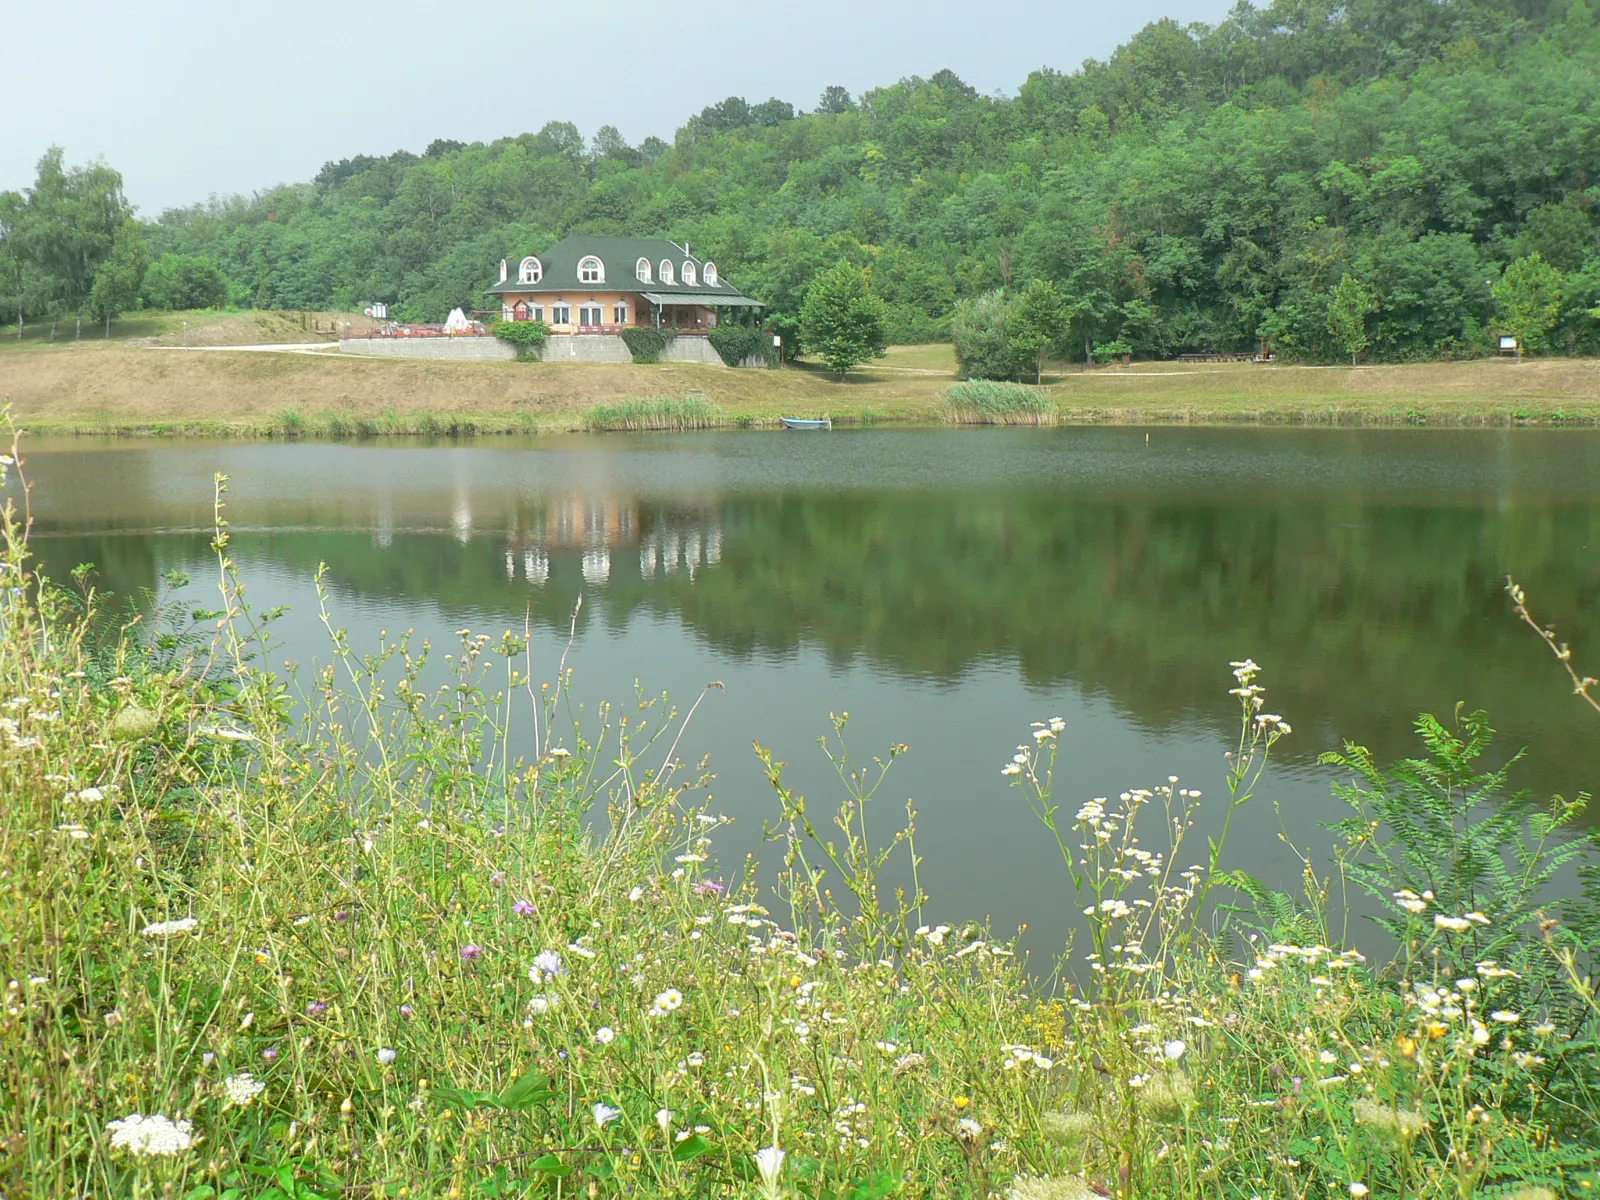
<point>1202,188</point>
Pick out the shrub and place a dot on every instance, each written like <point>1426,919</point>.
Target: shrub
<point>738,344</point>
<point>185,281</point>
<point>676,413</point>
<point>980,330</point>
<point>989,402</point>
<point>645,343</point>
<point>526,336</point>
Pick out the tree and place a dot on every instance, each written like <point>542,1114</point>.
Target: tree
<point>841,319</point>
<point>117,282</point>
<point>65,230</point>
<point>771,112</point>
<point>981,329</point>
<point>1038,323</point>
<point>609,143</point>
<point>835,100</point>
<point>1527,299</point>
<point>1347,315</point>
<point>179,281</point>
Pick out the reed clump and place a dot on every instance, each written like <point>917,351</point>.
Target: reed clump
<point>992,402</point>
<point>663,413</point>
<point>425,933</point>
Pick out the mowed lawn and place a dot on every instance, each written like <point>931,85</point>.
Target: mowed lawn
<point>142,379</point>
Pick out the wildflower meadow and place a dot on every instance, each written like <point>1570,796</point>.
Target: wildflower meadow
<point>339,939</point>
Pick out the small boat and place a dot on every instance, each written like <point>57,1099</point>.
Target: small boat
<point>807,422</point>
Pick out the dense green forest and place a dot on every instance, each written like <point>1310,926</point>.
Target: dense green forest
<point>1425,169</point>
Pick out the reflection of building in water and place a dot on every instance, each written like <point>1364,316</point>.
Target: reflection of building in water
<point>594,526</point>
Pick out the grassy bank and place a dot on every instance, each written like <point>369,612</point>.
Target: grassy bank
<point>366,949</point>
<point>126,385</point>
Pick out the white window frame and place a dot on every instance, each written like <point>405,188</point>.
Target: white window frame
<point>599,268</point>
<point>530,271</point>
<point>619,313</point>
<point>641,271</point>
<point>666,272</point>
<point>557,309</point>
<point>592,307</point>
<point>690,278</point>
<point>535,312</point>
<point>711,274</point>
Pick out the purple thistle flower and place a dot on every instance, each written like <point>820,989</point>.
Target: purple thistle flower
<point>316,1008</point>
<point>342,915</point>
<point>498,878</point>
<point>523,908</point>
<point>709,888</point>
<point>471,952</point>
<point>270,1053</point>
<point>407,1011</point>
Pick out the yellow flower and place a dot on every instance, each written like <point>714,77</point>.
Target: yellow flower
<point>1437,1029</point>
<point>1408,1046</point>
<point>962,1102</point>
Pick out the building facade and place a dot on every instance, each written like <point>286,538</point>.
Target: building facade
<point>603,285</point>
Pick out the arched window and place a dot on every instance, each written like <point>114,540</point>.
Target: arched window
<point>642,270</point>
<point>591,270</point>
<point>711,274</point>
<point>688,273</point>
<point>666,271</point>
<point>531,270</point>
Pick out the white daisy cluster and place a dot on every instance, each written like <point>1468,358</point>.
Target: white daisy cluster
<point>166,929</point>
<point>1018,1056</point>
<point>239,1090</point>
<point>152,1136</point>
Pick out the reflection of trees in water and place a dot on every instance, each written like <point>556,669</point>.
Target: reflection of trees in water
<point>1362,615</point>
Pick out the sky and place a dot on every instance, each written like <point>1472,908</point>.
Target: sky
<point>189,100</point>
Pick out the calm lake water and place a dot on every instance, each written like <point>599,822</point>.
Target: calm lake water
<point>945,587</point>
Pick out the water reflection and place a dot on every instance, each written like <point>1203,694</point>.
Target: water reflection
<point>948,586</point>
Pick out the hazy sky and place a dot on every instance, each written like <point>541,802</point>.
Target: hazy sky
<point>192,99</point>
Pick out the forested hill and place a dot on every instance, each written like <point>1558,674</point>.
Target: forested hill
<point>1203,187</point>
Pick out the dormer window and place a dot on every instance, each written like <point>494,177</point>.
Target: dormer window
<point>531,270</point>
<point>642,270</point>
<point>666,271</point>
<point>711,274</point>
<point>591,270</point>
<point>688,274</point>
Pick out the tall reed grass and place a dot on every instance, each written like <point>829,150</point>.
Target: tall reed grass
<point>991,402</point>
<point>350,942</point>
<point>674,413</point>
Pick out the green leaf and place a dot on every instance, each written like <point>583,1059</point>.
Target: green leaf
<point>550,1164</point>
<point>690,1148</point>
<point>451,1097</point>
<point>884,1183</point>
<point>529,1089</point>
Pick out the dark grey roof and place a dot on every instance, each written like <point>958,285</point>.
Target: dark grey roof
<point>620,256</point>
<point>709,299</point>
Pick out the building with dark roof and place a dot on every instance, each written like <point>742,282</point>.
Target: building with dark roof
<point>602,285</point>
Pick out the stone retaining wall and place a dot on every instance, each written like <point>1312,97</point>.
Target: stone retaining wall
<point>588,347</point>
<point>591,348</point>
<point>472,349</point>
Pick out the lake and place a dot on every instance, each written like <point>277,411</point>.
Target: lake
<point>946,587</point>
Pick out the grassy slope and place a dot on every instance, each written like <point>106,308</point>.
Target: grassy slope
<point>120,384</point>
